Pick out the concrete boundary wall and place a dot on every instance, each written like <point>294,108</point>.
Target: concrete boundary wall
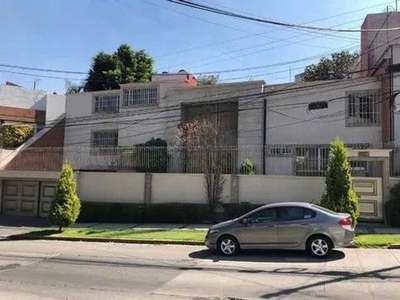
<point>109,187</point>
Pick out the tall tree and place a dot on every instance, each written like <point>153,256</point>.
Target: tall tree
<point>340,195</point>
<point>207,80</point>
<point>338,66</point>
<point>203,142</point>
<point>72,88</point>
<point>125,65</point>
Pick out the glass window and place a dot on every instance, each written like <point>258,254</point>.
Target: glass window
<point>263,216</point>
<point>295,213</point>
<point>140,97</point>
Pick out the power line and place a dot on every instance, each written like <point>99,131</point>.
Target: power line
<point>267,21</point>
<point>262,34</point>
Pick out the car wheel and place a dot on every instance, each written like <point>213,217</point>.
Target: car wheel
<point>228,245</point>
<point>319,246</point>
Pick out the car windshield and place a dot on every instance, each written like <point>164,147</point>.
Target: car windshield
<point>324,209</point>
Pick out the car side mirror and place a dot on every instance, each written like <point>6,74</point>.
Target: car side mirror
<point>245,221</point>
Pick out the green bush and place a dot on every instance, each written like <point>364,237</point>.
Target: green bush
<point>247,167</point>
<point>340,195</point>
<point>156,213</point>
<point>65,205</point>
<point>392,207</point>
<point>152,156</point>
<point>14,136</point>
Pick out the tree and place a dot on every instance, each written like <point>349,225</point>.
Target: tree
<point>340,195</point>
<point>123,66</point>
<point>207,80</point>
<point>65,205</point>
<point>337,67</point>
<point>72,88</point>
<point>203,141</point>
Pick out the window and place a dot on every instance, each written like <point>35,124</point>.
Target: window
<point>263,216</point>
<point>295,213</point>
<point>363,109</point>
<point>311,161</point>
<point>280,151</point>
<point>140,97</point>
<point>106,103</point>
<point>104,139</point>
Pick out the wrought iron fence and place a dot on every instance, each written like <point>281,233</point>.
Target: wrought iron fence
<point>291,160</point>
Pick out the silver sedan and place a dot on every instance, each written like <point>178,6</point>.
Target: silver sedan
<point>288,225</point>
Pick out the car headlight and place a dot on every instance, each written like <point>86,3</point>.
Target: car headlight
<point>213,231</point>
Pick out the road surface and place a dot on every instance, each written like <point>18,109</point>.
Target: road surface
<point>79,270</point>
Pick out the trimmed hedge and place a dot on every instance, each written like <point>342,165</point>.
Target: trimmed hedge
<point>156,213</point>
<point>393,206</point>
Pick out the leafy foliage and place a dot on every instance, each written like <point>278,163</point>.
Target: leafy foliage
<point>340,195</point>
<point>393,206</point>
<point>14,136</point>
<point>152,156</point>
<point>65,206</point>
<point>336,67</point>
<point>123,66</point>
<point>72,88</point>
<point>247,167</point>
<point>207,80</point>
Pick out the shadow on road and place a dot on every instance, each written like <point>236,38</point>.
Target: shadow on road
<point>266,256</point>
<point>16,221</point>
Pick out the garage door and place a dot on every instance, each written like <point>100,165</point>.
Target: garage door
<point>20,198</point>
<point>370,197</point>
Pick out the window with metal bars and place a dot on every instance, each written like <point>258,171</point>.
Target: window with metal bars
<point>147,96</point>
<point>363,108</point>
<point>106,103</point>
<point>104,139</point>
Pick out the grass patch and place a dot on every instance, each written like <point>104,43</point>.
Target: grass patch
<point>178,235</point>
<point>377,240</point>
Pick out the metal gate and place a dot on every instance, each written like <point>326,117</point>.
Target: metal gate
<point>27,198</point>
<point>20,198</point>
<point>370,197</point>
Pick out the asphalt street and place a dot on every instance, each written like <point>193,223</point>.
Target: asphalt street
<point>79,270</point>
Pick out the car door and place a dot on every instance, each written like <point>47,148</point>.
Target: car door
<point>294,224</point>
<point>259,231</point>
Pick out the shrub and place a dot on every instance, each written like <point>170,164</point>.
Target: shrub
<point>340,195</point>
<point>14,136</point>
<point>65,206</point>
<point>247,167</point>
<point>152,156</point>
<point>392,207</point>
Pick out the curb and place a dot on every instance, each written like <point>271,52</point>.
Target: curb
<point>100,240</point>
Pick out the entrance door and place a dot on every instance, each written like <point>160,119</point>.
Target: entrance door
<point>20,198</point>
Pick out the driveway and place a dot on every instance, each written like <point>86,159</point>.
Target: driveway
<point>79,270</point>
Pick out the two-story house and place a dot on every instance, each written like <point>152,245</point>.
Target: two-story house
<point>102,123</point>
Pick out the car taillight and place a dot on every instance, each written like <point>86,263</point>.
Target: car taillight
<point>346,223</point>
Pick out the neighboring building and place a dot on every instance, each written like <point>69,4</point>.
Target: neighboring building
<point>35,107</point>
<point>380,58</point>
<point>45,112</point>
<point>302,120</point>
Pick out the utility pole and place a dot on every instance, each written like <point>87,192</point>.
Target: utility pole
<point>34,83</point>
<point>290,74</point>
